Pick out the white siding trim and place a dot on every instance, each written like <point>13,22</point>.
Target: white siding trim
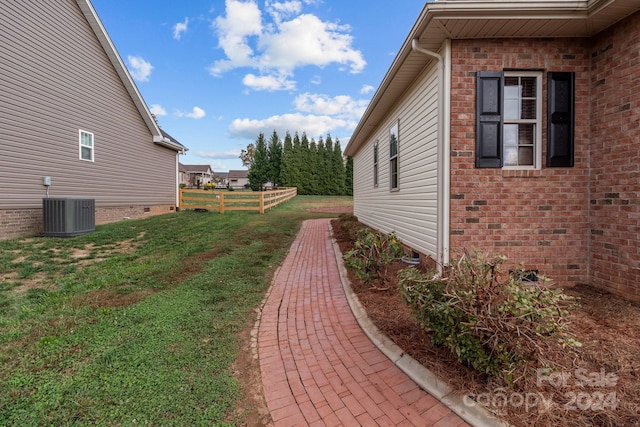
<point>444,202</point>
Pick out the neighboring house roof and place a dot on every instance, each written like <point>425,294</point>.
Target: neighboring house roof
<point>223,175</point>
<point>159,137</point>
<point>198,168</point>
<point>238,174</point>
<point>471,19</point>
<point>173,141</point>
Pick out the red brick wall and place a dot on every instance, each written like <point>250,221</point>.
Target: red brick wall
<point>575,225</point>
<point>28,222</point>
<point>537,218</point>
<point>615,159</point>
<point>20,222</point>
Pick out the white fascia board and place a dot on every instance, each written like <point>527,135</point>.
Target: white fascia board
<point>166,142</point>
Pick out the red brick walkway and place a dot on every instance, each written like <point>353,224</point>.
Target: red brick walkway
<point>318,367</point>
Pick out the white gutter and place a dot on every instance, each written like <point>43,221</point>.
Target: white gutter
<point>166,142</point>
<point>444,165</point>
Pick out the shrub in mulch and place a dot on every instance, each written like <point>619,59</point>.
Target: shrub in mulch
<point>488,318</point>
<point>597,384</point>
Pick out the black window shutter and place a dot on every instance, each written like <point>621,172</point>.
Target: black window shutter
<point>560,119</point>
<point>489,119</point>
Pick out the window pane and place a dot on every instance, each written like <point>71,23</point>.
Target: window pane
<point>393,140</point>
<point>511,109</point>
<point>393,146</point>
<point>394,172</point>
<point>525,156</point>
<point>511,84</point>
<point>528,87</point>
<point>525,134</point>
<point>510,145</point>
<point>528,109</point>
<point>86,153</point>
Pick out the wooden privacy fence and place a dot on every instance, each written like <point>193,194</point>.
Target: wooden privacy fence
<point>234,200</point>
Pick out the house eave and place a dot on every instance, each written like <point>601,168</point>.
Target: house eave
<point>166,142</point>
<point>103,37</point>
<point>469,19</point>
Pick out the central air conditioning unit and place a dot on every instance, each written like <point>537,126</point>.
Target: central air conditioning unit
<point>68,216</point>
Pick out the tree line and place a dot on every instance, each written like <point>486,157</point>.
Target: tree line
<point>315,168</point>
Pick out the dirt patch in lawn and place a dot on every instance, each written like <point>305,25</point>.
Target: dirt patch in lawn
<point>333,209</point>
<point>595,385</point>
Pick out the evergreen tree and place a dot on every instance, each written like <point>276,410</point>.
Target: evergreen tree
<point>313,165</point>
<point>304,159</point>
<point>259,172</point>
<point>275,159</point>
<point>331,183</point>
<point>338,170</point>
<point>323,180</point>
<point>349,176</point>
<point>288,172</point>
<point>298,163</point>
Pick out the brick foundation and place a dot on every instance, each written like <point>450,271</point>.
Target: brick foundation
<point>28,222</point>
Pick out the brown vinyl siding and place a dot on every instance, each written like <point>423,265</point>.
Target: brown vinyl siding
<point>55,79</point>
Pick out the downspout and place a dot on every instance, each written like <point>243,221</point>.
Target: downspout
<point>443,210</point>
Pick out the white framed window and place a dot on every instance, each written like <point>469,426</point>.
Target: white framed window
<point>86,145</point>
<point>522,120</point>
<point>509,119</point>
<point>393,156</point>
<point>375,164</point>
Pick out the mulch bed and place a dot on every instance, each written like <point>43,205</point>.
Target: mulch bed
<point>597,384</point>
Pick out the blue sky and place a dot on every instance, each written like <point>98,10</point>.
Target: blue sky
<point>217,73</point>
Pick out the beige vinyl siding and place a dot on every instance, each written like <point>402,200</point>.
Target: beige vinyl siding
<point>412,210</point>
<point>56,79</point>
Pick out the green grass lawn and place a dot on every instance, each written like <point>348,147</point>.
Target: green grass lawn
<point>137,323</point>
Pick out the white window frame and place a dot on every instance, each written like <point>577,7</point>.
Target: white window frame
<point>394,157</point>
<point>537,122</point>
<point>82,145</point>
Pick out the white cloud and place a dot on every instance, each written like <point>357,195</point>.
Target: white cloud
<point>196,113</point>
<point>276,48</point>
<point>269,83</point>
<point>312,125</point>
<point>367,89</point>
<point>306,40</point>
<point>139,68</point>
<point>243,19</point>
<point>341,106</point>
<point>179,28</point>
<point>157,110</point>
<point>221,155</point>
<point>282,10</point>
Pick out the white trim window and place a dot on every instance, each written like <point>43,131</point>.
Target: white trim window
<point>86,145</point>
<point>393,157</point>
<point>522,126</point>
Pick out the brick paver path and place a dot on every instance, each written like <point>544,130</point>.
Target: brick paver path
<point>318,367</point>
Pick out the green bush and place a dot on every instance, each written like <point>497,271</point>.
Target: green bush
<point>490,320</point>
<point>349,225</point>
<point>372,253</point>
